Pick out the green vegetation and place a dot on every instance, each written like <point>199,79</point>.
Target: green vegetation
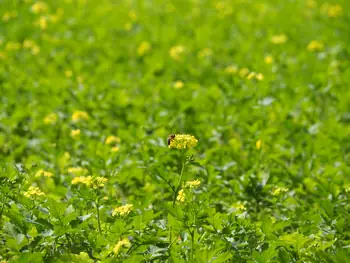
<point>90,90</point>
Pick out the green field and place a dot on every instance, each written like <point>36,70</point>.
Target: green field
<point>257,93</point>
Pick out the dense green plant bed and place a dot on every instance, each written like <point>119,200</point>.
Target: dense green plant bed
<point>254,95</point>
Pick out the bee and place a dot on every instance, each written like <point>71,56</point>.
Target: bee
<point>170,138</point>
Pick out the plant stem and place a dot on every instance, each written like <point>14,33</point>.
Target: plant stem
<point>98,216</point>
<point>180,180</point>
<point>192,245</point>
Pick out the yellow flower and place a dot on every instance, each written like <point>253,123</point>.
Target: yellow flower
<point>181,196</point>
<point>33,191</point>
<point>177,52</point>
<point>278,39</point>
<point>239,206</point>
<point>42,172</point>
<point>268,59</point>
<point>144,48</point>
<point>205,52</point>
<point>115,149</point>
<point>100,181</point>
<point>258,144</point>
<point>279,190</point>
<point>259,76</point>
<point>122,243</point>
<point>42,22</point>
<point>80,115</point>
<point>111,139</point>
<point>193,184</point>
<point>315,45</point>
<point>231,69</point>
<point>50,118</point>
<point>87,180</point>
<point>251,75</point>
<point>77,170</point>
<point>39,7</point>
<point>183,141</point>
<point>243,72</point>
<point>68,73</point>
<point>334,10</point>
<point>122,210</point>
<point>179,84</point>
<point>75,133</point>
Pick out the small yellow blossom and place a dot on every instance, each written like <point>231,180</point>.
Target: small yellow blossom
<point>51,118</point>
<point>115,149</point>
<point>75,133</point>
<point>122,210</point>
<point>181,196</point>
<point>77,170</point>
<point>315,45</point>
<point>33,191</point>
<point>231,69</point>
<point>68,73</point>
<point>251,75</point>
<point>259,76</point>
<point>279,190</point>
<point>122,243</point>
<point>239,206</point>
<point>42,22</point>
<point>177,52</point>
<point>258,144</point>
<point>243,72</point>
<point>111,139</point>
<point>332,11</point>
<point>39,7</point>
<point>144,48</point>
<point>100,181</point>
<point>278,39</point>
<point>183,141</point>
<point>193,184</point>
<point>179,84</point>
<point>205,52</point>
<point>105,198</point>
<point>80,115</point>
<point>87,180</point>
<point>42,172</point>
<point>268,59</point>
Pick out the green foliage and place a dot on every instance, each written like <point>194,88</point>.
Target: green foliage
<point>90,91</point>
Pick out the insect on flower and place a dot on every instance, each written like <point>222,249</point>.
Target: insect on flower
<point>170,138</point>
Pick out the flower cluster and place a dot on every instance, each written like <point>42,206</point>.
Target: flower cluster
<point>80,115</point>
<point>183,141</point>
<point>113,140</point>
<point>90,181</point>
<point>315,45</point>
<point>177,52</point>
<point>179,84</point>
<point>50,118</point>
<point>243,73</point>
<point>181,196</point>
<point>144,48</point>
<point>33,191</point>
<point>44,173</point>
<point>279,39</point>
<point>121,243</point>
<point>193,184</point>
<point>122,210</point>
<point>77,170</point>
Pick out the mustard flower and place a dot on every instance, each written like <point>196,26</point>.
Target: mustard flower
<point>111,139</point>
<point>51,118</point>
<point>33,191</point>
<point>87,180</point>
<point>315,45</point>
<point>231,69</point>
<point>42,22</point>
<point>193,184</point>
<point>122,210</point>
<point>332,11</point>
<point>179,84</point>
<point>279,39</point>
<point>144,48</point>
<point>80,115</point>
<point>243,72</point>
<point>259,76</point>
<point>258,144</point>
<point>181,196</point>
<point>268,59</point>
<point>39,7</point>
<point>177,52</point>
<point>251,75</point>
<point>239,206</point>
<point>77,170</point>
<point>121,243</point>
<point>68,73</point>
<point>100,181</point>
<point>115,149</point>
<point>75,133</point>
<point>42,172</point>
<point>182,141</point>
